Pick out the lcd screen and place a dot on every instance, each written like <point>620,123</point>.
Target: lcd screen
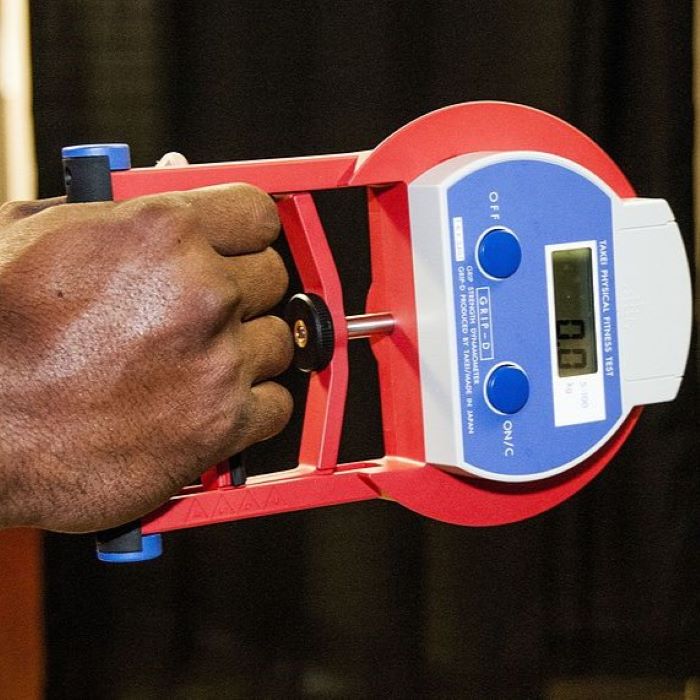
<point>574,312</point>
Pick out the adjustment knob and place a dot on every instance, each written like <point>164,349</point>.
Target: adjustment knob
<point>312,330</point>
<point>507,389</point>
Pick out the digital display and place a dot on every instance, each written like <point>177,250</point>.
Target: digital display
<point>574,312</point>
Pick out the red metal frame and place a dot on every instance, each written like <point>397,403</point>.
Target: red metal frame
<point>401,475</point>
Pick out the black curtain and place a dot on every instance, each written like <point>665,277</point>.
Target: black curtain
<point>369,600</point>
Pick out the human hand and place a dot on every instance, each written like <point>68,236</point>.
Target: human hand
<point>133,350</point>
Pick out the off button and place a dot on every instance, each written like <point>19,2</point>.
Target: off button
<point>499,254</point>
<point>507,389</point>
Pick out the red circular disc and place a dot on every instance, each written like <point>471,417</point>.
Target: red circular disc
<point>409,152</point>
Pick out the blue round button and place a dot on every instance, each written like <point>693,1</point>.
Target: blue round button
<point>118,153</point>
<point>507,389</point>
<point>499,253</point>
<point>151,548</point>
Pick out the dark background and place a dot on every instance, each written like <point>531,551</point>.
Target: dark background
<point>368,600</point>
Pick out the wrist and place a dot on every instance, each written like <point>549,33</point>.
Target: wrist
<point>16,507</point>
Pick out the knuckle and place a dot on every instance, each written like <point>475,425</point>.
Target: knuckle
<point>207,307</point>
<point>262,282</point>
<point>282,404</point>
<point>271,350</point>
<point>263,210</point>
<point>214,432</point>
<point>16,210</point>
<point>197,300</point>
<point>276,273</point>
<point>213,407</point>
<point>282,340</point>
<point>163,216</point>
<point>265,416</point>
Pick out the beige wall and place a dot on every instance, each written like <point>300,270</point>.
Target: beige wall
<point>21,618</point>
<point>16,130</point>
<point>696,163</point>
<point>3,156</point>
<point>696,104</point>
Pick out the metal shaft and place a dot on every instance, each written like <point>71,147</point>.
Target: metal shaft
<point>367,325</point>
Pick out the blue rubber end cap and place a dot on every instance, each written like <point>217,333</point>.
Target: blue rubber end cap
<point>508,389</point>
<point>499,253</point>
<point>151,548</point>
<point>118,153</point>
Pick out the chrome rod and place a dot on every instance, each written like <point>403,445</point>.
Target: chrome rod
<point>367,325</point>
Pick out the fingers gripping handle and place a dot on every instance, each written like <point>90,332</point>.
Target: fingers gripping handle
<point>90,175</point>
<point>87,175</point>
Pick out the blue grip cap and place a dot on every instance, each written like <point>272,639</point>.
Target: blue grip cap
<point>507,389</point>
<point>499,253</point>
<point>151,548</point>
<point>118,153</point>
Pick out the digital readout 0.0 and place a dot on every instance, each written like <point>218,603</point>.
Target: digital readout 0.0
<point>574,312</point>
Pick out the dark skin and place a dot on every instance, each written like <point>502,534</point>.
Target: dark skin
<point>134,350</point>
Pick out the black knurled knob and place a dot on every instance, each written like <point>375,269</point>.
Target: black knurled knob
<point>312,330</point>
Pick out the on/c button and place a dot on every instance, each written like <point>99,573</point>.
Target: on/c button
<point>507,388</point>
<point>499,253</point>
